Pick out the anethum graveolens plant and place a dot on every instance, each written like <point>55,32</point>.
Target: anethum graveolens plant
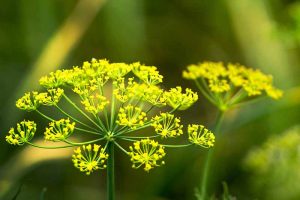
<point>226,87</point>
<point>112,117</point>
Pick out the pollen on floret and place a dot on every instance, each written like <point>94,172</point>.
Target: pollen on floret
<point>201,136</point>
<point>167,125</point>
<point>59,130</point>
<point>89,158</point>
<point>25,132</point>
<point>147,153</point>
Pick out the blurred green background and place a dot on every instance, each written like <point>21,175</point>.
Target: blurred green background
<point>37,37</point>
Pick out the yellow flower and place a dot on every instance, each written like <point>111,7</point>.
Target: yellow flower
<point>231,78</point>
<point>148,74</point>
<point>30,101</point>
<point>51,98</point>
<point>56,79</point>
<point>59,130</point>
<point>201,136</point>
<point>118,70</point>
<point>122,92</point>
<point>148,153</point>
<point>95,103</point>
<point>26,131</point>
<point>131,116</point>
<point>177,99</point>
<point>89,158</point>
<point>167,125</point>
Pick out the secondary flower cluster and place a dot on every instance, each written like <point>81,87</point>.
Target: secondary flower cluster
<point>116,99</point>
<point>229,85</point>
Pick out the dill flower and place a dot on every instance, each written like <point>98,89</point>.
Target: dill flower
<point>110,116</point>
<point>148,74</point>
<point>30,101</point>
<point>26,131</point>
<point>94,103</point>
<point>148,153</point>
<point>55,79</point>
<point>131,116</point>
<point>89,158</point>
<point>51,97</point>
<point>230,85</point>
<point>167,125</point>
<point>122,92</point>
<point>59,130</point>
<point>201,136</point>
<point>177,99</point>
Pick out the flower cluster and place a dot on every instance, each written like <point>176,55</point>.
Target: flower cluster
<point>147,153</point>
<point>167,125</point>
<point>89,158</point>
<point>59,130</point>
<point>179,100</point>
<point>115,99</point>
<point>228,85</point>
<point>201,136</point>
<point>26,131</point>
<point>132,117</point>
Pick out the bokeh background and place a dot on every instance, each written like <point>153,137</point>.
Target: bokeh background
<point>258,153</point>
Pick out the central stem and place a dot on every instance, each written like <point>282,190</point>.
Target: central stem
<point>206,169</point>
<point>110,172</point>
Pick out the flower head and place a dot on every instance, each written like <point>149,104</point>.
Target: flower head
<point>50,98</point>
<point>148,74</point>
<point>179,100</point>
<point>221,78</point>
<point>26,131</point>
<point>122,91</point>
<point>59,130</point>
<point>147,153</point>
<point>95,103</point>
<point>117,70</point>
<point>131,116</point>
<point>229,85</point>
<point>30,101</point>
<point>56,79</point>
<point>167,125</point>
<point>201,136</point>
<point>89,158</point>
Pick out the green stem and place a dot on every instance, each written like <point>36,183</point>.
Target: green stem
<point>112,112</point>
<point>49,147</point>
<point>206,94</point>
<point>83,113</point>
<point>83,143</point>
<point>176,146</point>
<point>120,147</point>
<point>110,172</point>
<point>79,129</point>
<point>74,119</point>
<point>88,131</point>
<point>208,160</point>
